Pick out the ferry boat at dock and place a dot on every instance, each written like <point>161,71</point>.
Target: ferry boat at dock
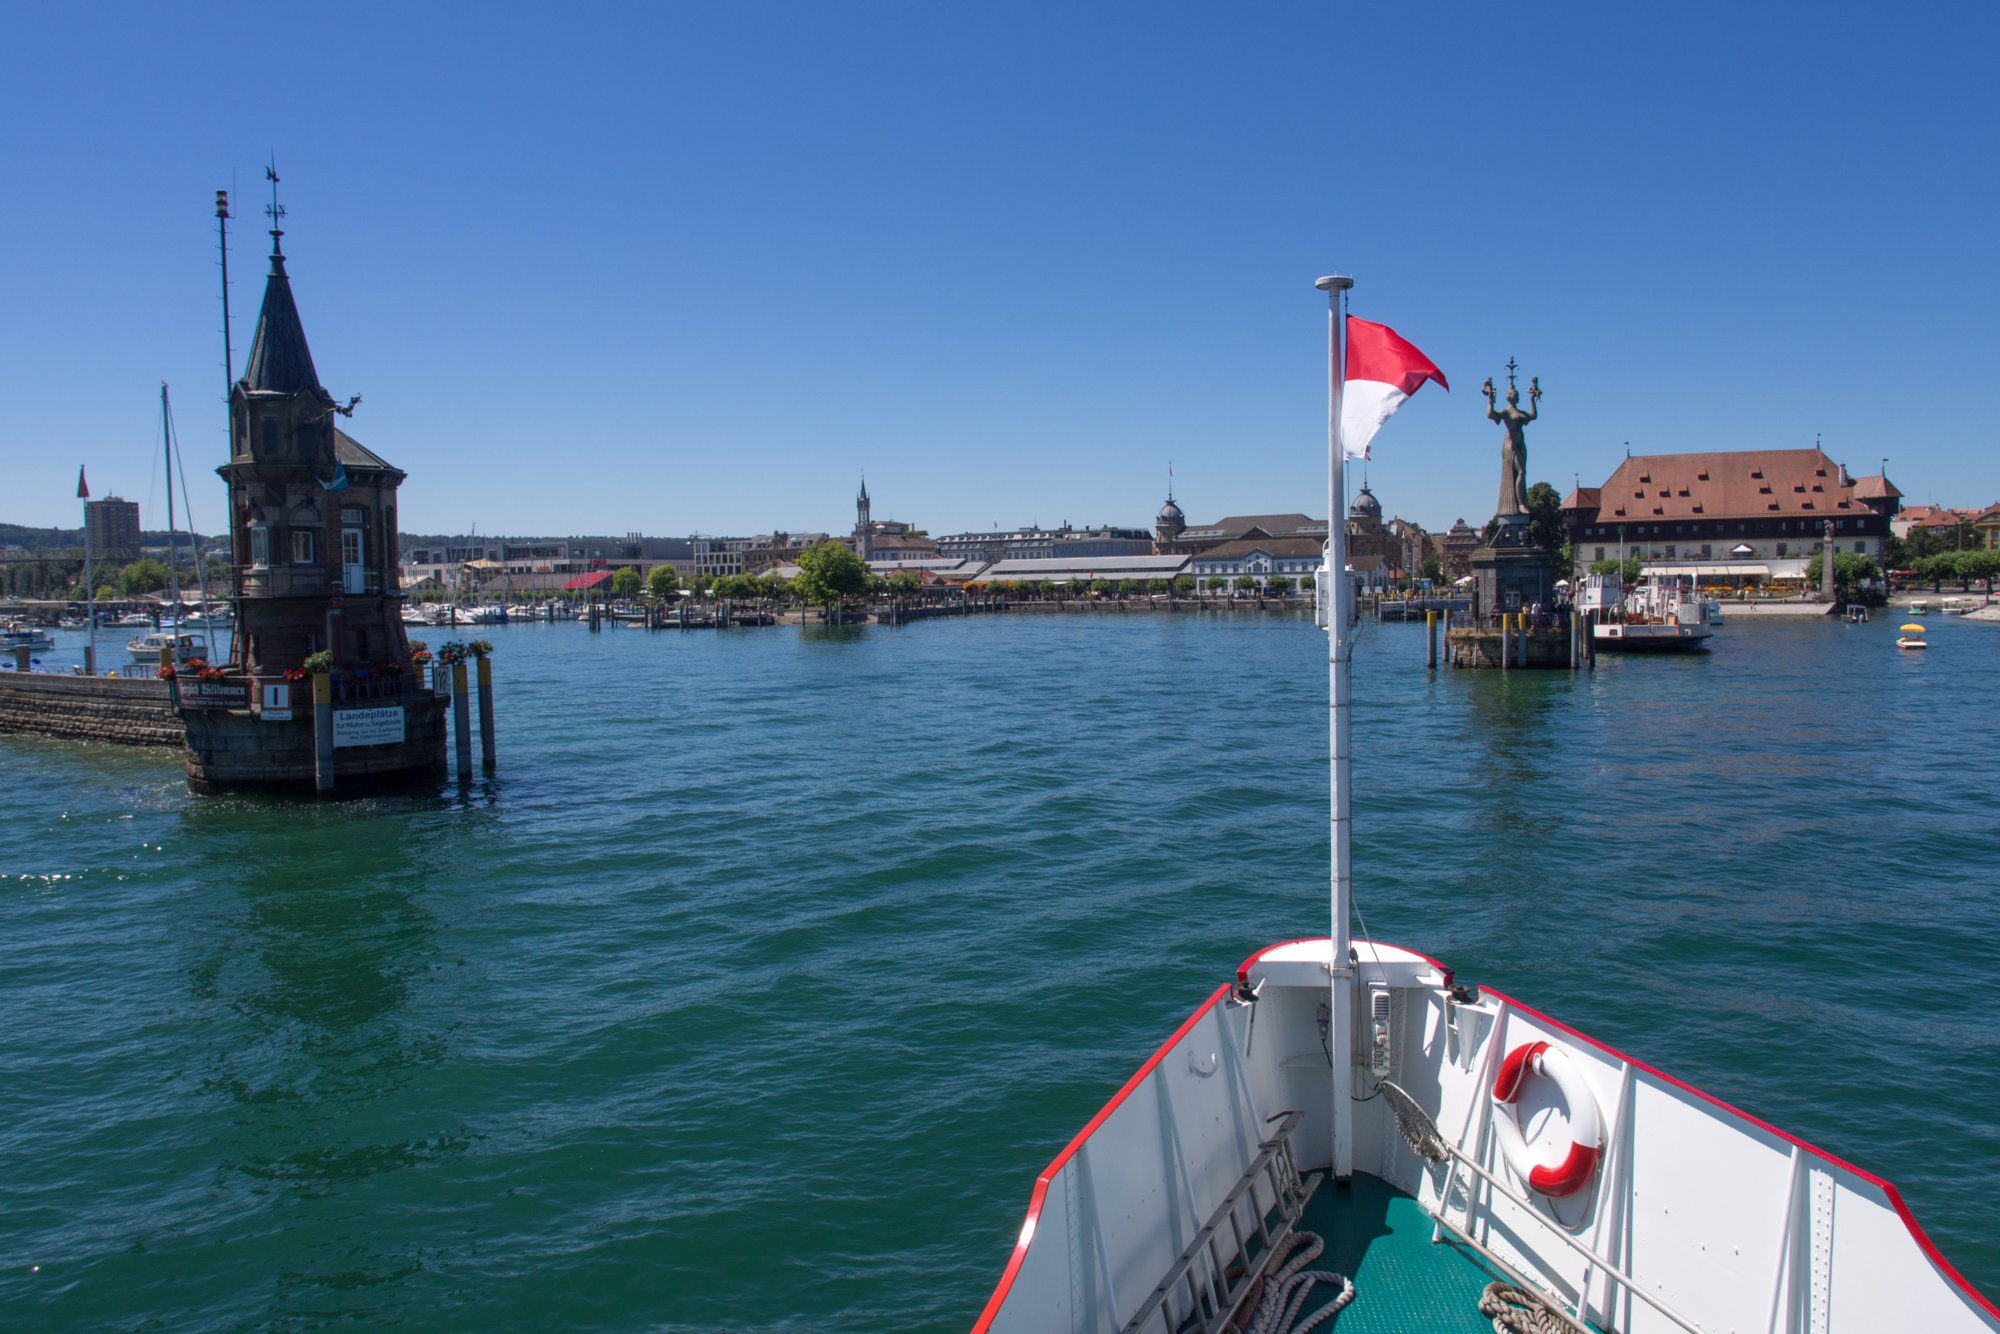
<point>1653,617</point>
<point>1343,1128</point>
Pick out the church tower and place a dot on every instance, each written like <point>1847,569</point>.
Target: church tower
<point>864,528</point>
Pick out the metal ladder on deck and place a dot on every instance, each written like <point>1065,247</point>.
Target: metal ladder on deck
<point>1209,1290</point>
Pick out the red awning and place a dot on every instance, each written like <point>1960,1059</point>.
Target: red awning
<point>588,580</point>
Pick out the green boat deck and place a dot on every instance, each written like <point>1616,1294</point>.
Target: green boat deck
<point>1403,1282</point>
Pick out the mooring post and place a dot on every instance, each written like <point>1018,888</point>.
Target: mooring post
<point>322,732</point>
<point>1521,640</point>
<point>21,656</point>
<point>487,759</point>
<point>461,718</point>
<point>1590,640</point>
<point>1430,640</point>
<point>1506,641</point>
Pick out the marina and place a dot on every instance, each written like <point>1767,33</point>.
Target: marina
<point>538,1054</point>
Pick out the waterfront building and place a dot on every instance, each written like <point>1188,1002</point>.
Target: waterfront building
<point>1456,548</point>
<point>1728,518</point>
<point>112,528</point>
<point>1953,526</point>
<point>718,556</point>
<point>1260,559</point>
<point>498,565</point>
<point>1195,539</point>
<point>1062,569</point>
<point>1037,543</point>
<point>768,551</point>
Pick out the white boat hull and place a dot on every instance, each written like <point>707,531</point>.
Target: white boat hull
<point>1721,1220</point>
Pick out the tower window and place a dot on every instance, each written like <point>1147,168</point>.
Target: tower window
<point>260,545</point>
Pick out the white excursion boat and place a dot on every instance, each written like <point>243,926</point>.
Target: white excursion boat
<point>1340,1122</point>
<point>1653,617</point>
<point>146,648</point>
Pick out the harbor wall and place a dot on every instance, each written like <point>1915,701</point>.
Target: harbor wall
<point>237,750</point>
<point>89,708</point>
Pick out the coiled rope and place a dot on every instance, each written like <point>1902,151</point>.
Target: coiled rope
<point>1515,1310</point>
<point>1286,1290</point>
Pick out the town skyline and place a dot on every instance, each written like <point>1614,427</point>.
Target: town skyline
<point>700,270</point>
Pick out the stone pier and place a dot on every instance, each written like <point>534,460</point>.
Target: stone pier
<point>89,708</point>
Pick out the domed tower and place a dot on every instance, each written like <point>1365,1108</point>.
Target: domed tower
<point>1365,514</point>
<point>1167,526</point>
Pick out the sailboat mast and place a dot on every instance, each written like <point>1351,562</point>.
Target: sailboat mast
<point>187,511</point>
<point>1340,979</point>
<point>167,464</point>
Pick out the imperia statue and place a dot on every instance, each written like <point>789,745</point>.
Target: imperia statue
<point>1514,453</point>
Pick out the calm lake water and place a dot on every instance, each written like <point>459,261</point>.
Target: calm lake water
<point>758,985</point>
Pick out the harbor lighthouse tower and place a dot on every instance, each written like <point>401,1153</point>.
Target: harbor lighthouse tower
<point>312,511</point>
<point>312,517</point>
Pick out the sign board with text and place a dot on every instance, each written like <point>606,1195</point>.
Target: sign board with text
<point>277,703</point>
<point>197,694</point>
<point>368,727</point>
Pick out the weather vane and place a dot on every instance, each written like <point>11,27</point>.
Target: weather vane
<point>274,210</point>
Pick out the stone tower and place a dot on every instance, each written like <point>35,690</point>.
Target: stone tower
<point>312,517</point>
<point>313,513</point>
<point>864,527</point>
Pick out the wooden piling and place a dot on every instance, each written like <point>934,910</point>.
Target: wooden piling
<point>1506,645</point>
<point>22,656</point>
<point>1430,641</point>
<point>487,759</point>
<point>461,718</point>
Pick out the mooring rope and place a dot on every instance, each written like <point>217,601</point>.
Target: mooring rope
<point>1515,1310</point>
<point>1285,1291</point>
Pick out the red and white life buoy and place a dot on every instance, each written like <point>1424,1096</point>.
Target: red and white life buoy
<point>1573,1173</point>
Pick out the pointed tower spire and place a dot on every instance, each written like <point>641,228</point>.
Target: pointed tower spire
<point>280,361</point>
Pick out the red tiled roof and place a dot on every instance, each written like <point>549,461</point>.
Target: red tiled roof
<point>1750,483</point>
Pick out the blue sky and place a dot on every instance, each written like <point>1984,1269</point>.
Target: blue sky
<point>683,268</point>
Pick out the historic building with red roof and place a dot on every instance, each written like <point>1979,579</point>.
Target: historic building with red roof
<point>1748,517</point>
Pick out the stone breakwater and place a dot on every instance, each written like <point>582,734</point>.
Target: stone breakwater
<point>89,708</point>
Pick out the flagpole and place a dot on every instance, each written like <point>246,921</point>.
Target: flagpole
<point>89,579</point>
<point>1341,972</point>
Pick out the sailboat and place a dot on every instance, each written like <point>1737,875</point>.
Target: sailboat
<point>183,643</point>
<point>1341,1121</point>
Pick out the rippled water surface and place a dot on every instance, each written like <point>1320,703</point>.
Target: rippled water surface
<point>755,989</point>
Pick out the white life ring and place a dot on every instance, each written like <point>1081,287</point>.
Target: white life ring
<point>1573,1173</point>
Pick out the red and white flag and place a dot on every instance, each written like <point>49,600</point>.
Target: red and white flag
<point>1383,369</point>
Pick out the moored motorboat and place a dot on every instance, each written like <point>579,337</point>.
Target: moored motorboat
<point>148,647</point>
<point>1495,1167</point>
<point>21,634</point>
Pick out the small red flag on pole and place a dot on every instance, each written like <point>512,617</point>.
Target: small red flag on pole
<point>82,487</point>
